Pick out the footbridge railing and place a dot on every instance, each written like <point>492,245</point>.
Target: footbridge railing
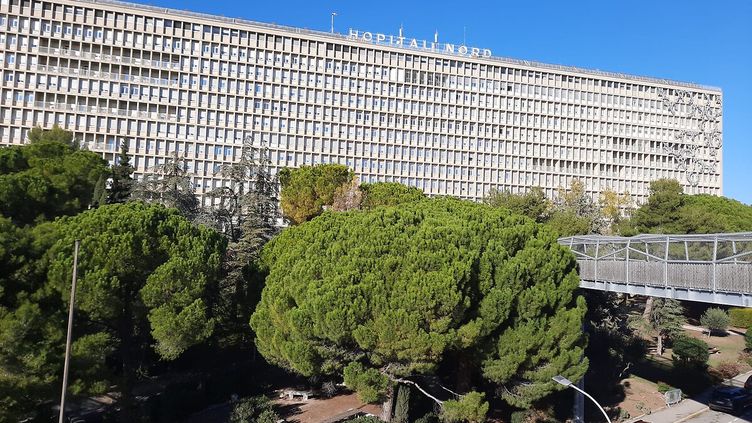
<point>713,268</point>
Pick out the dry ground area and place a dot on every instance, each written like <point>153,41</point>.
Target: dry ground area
<point>317,410</point>
<point>642,396</point>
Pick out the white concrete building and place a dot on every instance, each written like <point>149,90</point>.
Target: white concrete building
<point>449,119</point>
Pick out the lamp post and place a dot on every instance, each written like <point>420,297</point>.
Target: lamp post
<point>333,15</point>
<point>561,380</point>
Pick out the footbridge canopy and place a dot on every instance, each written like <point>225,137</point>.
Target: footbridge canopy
<point>713,268</point>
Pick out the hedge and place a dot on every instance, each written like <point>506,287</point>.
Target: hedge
<point>741,317</point>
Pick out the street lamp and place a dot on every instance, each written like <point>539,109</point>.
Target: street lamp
<point>333,15</point>
<point>561,380</point>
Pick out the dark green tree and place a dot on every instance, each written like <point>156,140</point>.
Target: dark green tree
<point>748,339</point>
<point>169,184</point>
<point>402,405</point>
<point>47,178</point>
<point>532,204</point>
<point>307,189</point>
<point>661,211</point>
<point>690,352</point>
<point>666,319</point>
<point>716,320</point>
<point>388,194</point>
<point>144,277</point>
<point>56,134</point>
<point>121,186</point>
<point>575,212</point>
<point>382,294</point>
<point>245,211</point>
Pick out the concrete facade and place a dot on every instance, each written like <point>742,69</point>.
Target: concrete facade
<point>448,122</point>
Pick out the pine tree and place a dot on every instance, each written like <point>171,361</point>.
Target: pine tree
<point>666,318</point>
<point>402,408</point>
<point>99,197</point>
<point>245,211</point>
<point>169,184</point>
<point>122,179</point>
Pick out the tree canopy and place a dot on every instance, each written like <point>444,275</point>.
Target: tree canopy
<point>307,189</point>
<point>145,274</point>
<point>47,178</point>
<point>669,210</point>
<point>388,194</point>
<point>532,203</point>
<point>396,291</point>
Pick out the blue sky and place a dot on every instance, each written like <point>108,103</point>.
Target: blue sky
<point>701,41</point>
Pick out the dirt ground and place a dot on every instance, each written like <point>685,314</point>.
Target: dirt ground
<point>642,397</point>
<point>317,410</point>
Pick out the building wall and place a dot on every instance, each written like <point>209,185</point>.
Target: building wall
<point>163,80</point>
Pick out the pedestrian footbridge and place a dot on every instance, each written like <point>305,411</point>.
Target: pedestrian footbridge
<point>714,268</point>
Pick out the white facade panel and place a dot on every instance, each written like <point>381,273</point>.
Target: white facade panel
<point>163,80</point>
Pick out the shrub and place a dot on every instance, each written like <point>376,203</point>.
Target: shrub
<point>370,384</point>
<point>716,320</point>
<point>748,338</point>
<point>741,317</point>
<point>664,387</point>
<point>428,418</point>
<point>253,410</point>
<point>365,419</point>
<point>690,352</point>
<point>471,408</point>
<point>727,370</point>
<point>329,389</point>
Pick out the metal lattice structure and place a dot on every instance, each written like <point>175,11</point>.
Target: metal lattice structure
<point>714,268</point>
<point>706,110</point>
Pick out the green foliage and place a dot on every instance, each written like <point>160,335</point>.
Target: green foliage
<point>245,211</point>
<point>370,384</point>
<point>662,208</point>
<point>169,184</point>
<point>667,317</point>
<point>399,288</point>
<point>388,194</point>
<point>256,409</point>
<point>428,418</point>
<point>56,134</point>
<point>716,320</point>
<point>122,184</point>
<point>47,178</point>
<point>365,419</point>
<point>568,223</point>
<point>532,204</point>
<point>740,317</point>
<point>664,387</point>
<point>402,406</point>
<point>471,407</point>
<point>144,276</point>
<point>307,189</point>
<point>668,210</point>
<point>690,352</point>
<point>575,212</point>
<point>748,338</point>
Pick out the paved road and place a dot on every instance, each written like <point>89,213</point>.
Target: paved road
<point>711,416</point>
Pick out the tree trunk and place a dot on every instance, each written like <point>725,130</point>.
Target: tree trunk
<point>386,406</point>
<point>648,309</point>
<point>659,345</point>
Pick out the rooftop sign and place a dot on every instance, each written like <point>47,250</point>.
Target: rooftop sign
<point>400,41</point>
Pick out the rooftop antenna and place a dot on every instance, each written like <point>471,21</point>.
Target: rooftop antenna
<point>333,15</point>
<point>400,30</point>
<point>436,36</point>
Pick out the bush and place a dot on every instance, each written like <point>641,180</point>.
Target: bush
<point>428,418</point>
<point>370,384</point>
<point>253,410</point>
<point>664,387</point>
<point>716,320</point>
<point>690,352</point>
<point>748,338</point>
<point>741,317</point>
<point>471,408</point>
<point>727,370</point>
